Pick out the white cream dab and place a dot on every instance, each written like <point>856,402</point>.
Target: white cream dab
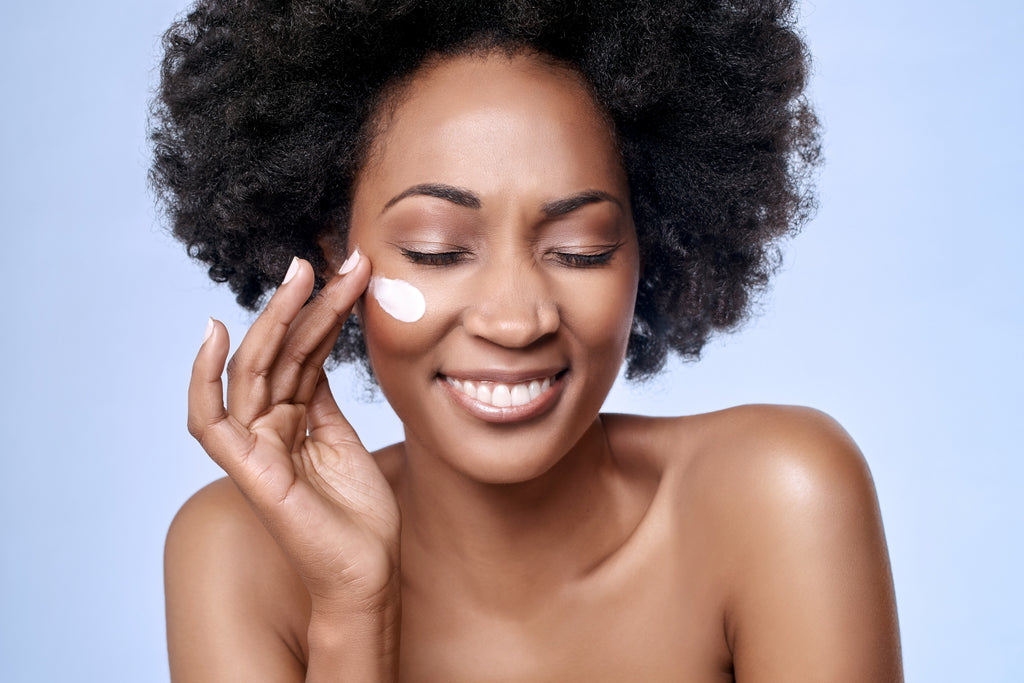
<point>398,298</point>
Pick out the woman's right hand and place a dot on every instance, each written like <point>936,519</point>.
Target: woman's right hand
<point>284,442</point>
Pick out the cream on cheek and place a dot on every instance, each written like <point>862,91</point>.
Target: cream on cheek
<point>398,298</point>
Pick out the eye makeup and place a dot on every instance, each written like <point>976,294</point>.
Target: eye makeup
<point>575,260</point>
<point>434,258</point>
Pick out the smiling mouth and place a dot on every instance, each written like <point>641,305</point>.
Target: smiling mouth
<point>496,401</point>
<point>500,394</point>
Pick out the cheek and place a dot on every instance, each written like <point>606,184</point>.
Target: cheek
<point>601,313</point>
<point>405,355</point>
<point>401,300</point>
<point>401,322</point>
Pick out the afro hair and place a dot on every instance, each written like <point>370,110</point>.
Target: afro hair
<point>265,110</point>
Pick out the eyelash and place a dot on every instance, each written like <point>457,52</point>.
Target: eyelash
<point>585,260</point>
<point>440,258</point>
<point>448,258</point>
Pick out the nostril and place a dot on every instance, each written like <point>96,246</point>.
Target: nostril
<point>513,325</point>
<point>549,317</point>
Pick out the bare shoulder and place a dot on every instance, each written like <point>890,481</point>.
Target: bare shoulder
<point>772,473</point>
<point>214,514</point>
<point>788,451</point>
<point>751,436</point>
<point>231,595</point>
<point>785,450</point>
<point>795,539</point>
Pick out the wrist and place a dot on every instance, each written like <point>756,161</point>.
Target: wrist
<point>354,641</point>
<point>357,599</point>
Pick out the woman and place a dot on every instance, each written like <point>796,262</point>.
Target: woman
<point>511,198</point>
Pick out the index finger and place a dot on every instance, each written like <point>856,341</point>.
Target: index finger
<point>248,369</point>
<point>314,332</point>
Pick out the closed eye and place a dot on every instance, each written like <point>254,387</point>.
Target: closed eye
<point>432,258</point>
<point>585,260</point>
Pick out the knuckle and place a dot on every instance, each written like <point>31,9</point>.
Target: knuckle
<point>299,357</point>
<point>233,366</point>
<point>240,365</point>
<point>328,304</point>
<point>340,306</point>
<point>195,428</point>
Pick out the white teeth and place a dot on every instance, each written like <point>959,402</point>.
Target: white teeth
<point>502,395</point>
<point>534,389</point>
<point>520,395</point>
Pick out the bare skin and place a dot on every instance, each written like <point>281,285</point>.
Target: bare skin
<point>536,543</point>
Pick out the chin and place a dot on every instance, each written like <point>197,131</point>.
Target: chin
<point>514,461</point>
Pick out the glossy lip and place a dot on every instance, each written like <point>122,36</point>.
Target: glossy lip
<point>494,414</point>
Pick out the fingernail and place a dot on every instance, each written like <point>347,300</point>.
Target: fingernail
<point>292,269</point>
<point>350,263</point>
<point>209,330</point>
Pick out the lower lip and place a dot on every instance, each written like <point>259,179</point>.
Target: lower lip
<point>494,414</point>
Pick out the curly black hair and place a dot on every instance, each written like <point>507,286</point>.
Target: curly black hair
<point>265,110</point>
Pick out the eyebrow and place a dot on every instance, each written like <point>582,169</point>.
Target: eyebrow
<point>455,195</point>
<point>560,207</point>
<point>463,197</point>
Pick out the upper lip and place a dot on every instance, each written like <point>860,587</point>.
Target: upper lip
<point>504,376</point>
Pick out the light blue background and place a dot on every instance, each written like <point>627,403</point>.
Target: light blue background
<point>899,312</point>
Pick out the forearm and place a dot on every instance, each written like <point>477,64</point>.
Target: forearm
<point>355,644</point>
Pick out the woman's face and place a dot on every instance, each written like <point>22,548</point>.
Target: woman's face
<point>497,192</point>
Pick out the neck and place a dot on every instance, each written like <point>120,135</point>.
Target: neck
<point>506,540</point>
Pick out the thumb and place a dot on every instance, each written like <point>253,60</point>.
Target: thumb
<point>325,422</point>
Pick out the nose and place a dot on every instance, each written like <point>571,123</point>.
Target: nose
<point>512,305</point>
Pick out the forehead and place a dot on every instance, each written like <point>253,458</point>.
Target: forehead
<point>496,122</point>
